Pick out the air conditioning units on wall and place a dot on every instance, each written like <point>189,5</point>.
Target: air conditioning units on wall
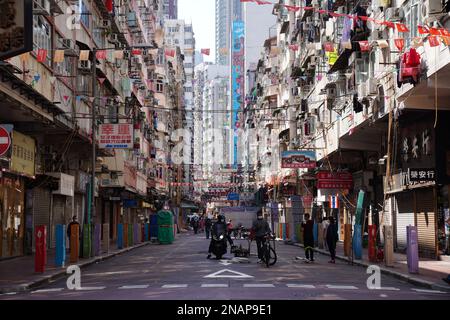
<point>362,90</point>
<point>372,86</point>
<point>429,10</point>
<point>84,65</point>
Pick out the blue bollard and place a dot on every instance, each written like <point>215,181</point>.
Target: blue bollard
<point>97,239</point>
<point>60,256</point>
<point>146,229</point>
<point>357,242</point>
<point>120,236</point>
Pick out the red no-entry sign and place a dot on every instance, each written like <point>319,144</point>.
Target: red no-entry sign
<point>5,140</point>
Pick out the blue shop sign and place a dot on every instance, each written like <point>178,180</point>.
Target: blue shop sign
<point>130,203</point>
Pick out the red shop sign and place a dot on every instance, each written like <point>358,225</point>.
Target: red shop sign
<point>328,180</point>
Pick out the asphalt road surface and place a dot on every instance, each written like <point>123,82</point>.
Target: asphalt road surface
<point>180,271</point>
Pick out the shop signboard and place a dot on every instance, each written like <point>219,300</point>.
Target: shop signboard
<point>233,196</point>
<point>329,180</point>
<point>421,175</point>
<point>23,154</point>
<point>129,203</point>
<point>307,201</point>
<point>16,28</point>
<point>116,136</point>
<point>298,159</point>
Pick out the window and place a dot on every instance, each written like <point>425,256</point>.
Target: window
<point>66,67</point>
<point>362,69</point>
<point>188,29</point>
<point>42,37</point>
<point>189,41</point>
<point>84,14</point>
<point>176,41</point>
<point>412,17</point>
<point>159,86</point>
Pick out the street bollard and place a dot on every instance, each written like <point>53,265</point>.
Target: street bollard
<point>412,249</point>
<point>136,234</point>
<point>146,232</point>
<point>60,256</point>
<point>357,242</point>
<point>41,249</point>
<point>372,243</point>
<point>316,234</point>
<point>347,240</point>
<point>130,234</point>
<point>87,238</point>
<point>388,245</point>
<point>320,237</point>
<point>74,243</point>
<point>106,237</point>
<point>125,235</point>
<point>120,236</point>
<point>97,239</point>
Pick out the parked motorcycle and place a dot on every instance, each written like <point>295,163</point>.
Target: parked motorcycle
<point>219,245</point>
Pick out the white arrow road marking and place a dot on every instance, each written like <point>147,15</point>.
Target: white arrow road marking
<point>305,286</point>
<point>48,290</point>
<point>90,288</point>
<point>214,285</point>
<point>329,286</point>
<point>428,291</point>
<point>258,285</point>
<point>169,286</point>
<point>237,275</point>
<point>225,262</point>
<point>135,287</point>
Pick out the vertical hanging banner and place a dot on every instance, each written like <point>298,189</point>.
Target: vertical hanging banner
<point>237,80</point>
<point>16,28</point>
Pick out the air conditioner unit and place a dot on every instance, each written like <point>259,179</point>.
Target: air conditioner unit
<point>372,86</point>
<point>430,8</point>
<point>84,65</point>
<point>105,23</point>
<point>362,90</point>
<point>113,38</point>
<point>41,7</point>
<point>70,48</point>
<point>320,125</point>
<point>331,92</point>
<point>392,14</point>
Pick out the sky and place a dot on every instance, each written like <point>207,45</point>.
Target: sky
<point>202,15</point>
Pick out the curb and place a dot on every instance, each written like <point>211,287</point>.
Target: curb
<point>60,274</point>
<point>408,278</point>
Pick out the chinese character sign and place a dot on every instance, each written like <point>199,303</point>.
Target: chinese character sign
<point>328,180</point>
<point>298,159</point>
<point>237,79</point>
<point>116,136</point>
<point>421,175</point>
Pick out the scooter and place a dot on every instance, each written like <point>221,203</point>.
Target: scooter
<point>219,245</point>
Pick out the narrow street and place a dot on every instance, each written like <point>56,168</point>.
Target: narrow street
<point>180,272</point>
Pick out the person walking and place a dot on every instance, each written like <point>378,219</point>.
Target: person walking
<point>308,238</point>
<point>208,224</point>
<point>325,224</point>
<point>332,238</point>
<point>195,224</point>
<point>260,228</point>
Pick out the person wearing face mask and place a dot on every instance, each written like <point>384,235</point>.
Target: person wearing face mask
<point>260,228</point>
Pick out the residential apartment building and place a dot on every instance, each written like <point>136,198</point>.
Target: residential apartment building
<point>347,81</point>
<point>112,67</point>
<point>170,9</point>
<point>227,11</point>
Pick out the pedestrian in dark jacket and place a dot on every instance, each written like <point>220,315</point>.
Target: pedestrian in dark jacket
<point>260,228</point>
<point>308,238</point>
<point>332,238</point>
<point>208,224</point>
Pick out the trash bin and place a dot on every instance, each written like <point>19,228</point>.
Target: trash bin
<point>153,227</point>
<point>165,227</point>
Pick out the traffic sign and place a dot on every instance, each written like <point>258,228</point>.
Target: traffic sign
<point>5,141</point>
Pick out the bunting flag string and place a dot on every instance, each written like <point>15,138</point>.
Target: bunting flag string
<point>205,52</point>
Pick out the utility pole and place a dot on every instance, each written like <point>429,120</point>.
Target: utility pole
<point>94,141</point>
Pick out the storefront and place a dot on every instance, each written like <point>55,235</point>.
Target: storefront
<point>17,168</point>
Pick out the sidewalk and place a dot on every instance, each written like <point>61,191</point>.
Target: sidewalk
<point>430,274</point>
<point>18,274</point>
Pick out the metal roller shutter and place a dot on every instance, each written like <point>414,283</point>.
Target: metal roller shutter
<point>404,217</point>
<point>426,222</point>
<point>58,215</point>
<point>41,210</point>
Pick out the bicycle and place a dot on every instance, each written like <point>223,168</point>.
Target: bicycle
<point>269,253</point>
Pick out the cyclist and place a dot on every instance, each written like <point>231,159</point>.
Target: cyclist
<point>260,228</point>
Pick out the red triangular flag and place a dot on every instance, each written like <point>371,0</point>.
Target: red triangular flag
<point>170,53</point>
<point>101,80</point>
<point>100,54</point>
<point>388,24</point>
<point>444,32</point>
<point>136,52</point>
<point>401,27</point>
<point>41,55</point>
<point>205,51</point>
<point>329,47</point>
<point>365,46</point>
<point>434,41</point>
<point>423,30</point>
<point>66,98</point>
<point>435,31</point>
<point>400,44</point>
<point>293,47</point>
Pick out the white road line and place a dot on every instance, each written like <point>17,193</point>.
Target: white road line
<point>386,289</point>
<point>90,288</point>
<point>169,286</point>
<point>135,287</point>
<point>258,285</point>
<point>428,291</point>
<point>214,285</point>
<point>306,286</point>
<point>48,290</point>
<point>329,286</point>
